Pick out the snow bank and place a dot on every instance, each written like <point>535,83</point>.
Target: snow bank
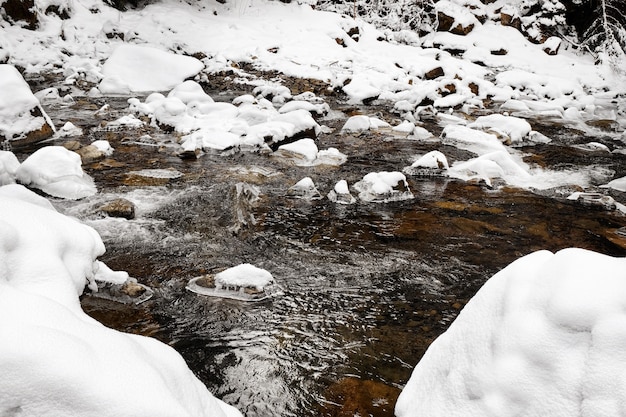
<point>543,337</point>
<point>56,360</point>
<point>134,68</point>
<point>21,116</point>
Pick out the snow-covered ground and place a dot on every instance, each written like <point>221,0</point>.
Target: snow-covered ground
<point>524,344</point>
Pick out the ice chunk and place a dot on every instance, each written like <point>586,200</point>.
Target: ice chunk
<point>243,282</point>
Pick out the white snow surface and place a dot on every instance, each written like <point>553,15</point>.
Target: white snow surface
<point>134,68</point>
<point>543,337</point>
<point>56,360</point>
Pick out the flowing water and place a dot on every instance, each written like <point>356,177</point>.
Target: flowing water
<point>367,287</point>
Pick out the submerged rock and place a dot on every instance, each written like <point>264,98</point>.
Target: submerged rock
<point>120,207</point>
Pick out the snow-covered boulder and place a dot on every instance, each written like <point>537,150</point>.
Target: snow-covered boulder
<point>510,129</point>
<point>22,119</point>
<point>340,193</point>
<point>58,361</point>
<point>454,18</point>
<point>304,189</point>
<point>434,163</point>
<point>383,187</point>
<point>543,337</point>
<point>134,68</point>
<point>361,123</point>
<point>57,172</point>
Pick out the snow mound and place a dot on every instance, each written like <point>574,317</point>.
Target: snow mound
<point>57,172</point>
<point>134,68</point>
<point>434,163</point>
<point>544,336</point>
<point>74,362</point>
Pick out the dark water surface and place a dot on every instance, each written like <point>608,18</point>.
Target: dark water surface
<point>367,286</point>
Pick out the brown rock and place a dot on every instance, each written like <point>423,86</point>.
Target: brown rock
<point>507,19</point>
<point>444,22</point>
<point>43,133</point>
<point>434,73</point>
<point>473,88</point>
<point>462,30</point>
<point>132,289</point>
<point>500,51</point>
<point>89,154</point>
<point>119,208</point>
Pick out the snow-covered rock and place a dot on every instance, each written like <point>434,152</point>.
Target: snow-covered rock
<point>22,119</point>
<point>543,337</point>
<point>434,163</point>
<point>56,171</point>
<point>510,129</point>
<point>340,193</point>
<point>75,365</point>
<point>304,189</point>
<point>362,123</point>
<point>383,187</point>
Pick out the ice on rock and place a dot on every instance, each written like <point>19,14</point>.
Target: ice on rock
<point>244,282</point>
<point>471,140</point>
<point>135,68</point>
<point>512,129</point>
<point>434,163</point>
<point>498,164</point>
<point>383,187</point>
<point>73,362</point>
<point>543,337</point>
<point>618,184</point>
<point>304,189</point>
<point>340,194</point>
<point>57,172</point>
